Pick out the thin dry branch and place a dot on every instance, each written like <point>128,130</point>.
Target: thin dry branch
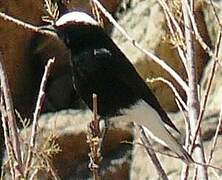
<point>26,25</point>
<point>196,31</point>
<point>209,85</point>
<point>216,174</point>
<point>214,143</point>
<point>39,104</point>
<point>95,141</point>
<point>175,31</point>
<point>192,97</point>
<point>96,13</point>
<point>215,13</point>
<point>212,74</point>
<point>12,126</point>
<point>6,137</point>
<point>52,11</point>
<point>171,86</point>
<point>152,154</point>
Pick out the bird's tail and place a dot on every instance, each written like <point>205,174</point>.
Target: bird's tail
<point>143,114</point>
<point>168,140</point>
<point>186,157</point>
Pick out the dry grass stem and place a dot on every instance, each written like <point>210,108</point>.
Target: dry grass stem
<point>37,112</point>
<point>171,86</point>
<point>197,35</point>
<point>11,121</point>
<point>187,125</point>
<point>214,143</point>
<point>95,141</point>
<point>96,13</point>
<point>7,140</point>
<point>176,34</point>
<point>192,97</point>
<point>209,85</point>
<point>26,26</point>
<point>215,174</point>
<point>152,154</point>
<point>52,11</point>
<point>215,13</point>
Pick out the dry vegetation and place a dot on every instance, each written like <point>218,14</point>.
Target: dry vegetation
<point>25,160</point>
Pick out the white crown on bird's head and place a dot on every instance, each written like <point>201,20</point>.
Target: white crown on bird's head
<point>76,17</point>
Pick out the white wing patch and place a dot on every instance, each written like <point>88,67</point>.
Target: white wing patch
<point>77,17</point>
<point>143,114</point>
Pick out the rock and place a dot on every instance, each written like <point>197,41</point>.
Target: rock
<point>69,129</point>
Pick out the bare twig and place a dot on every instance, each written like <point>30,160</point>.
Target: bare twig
<point>95,116</point>
<point>6,137</point>
<point>37,112</point>
<point>216,174</point>
<point>194,29</point>
<point>171,86</point>
<point>27,26</point>
<point>215,13</point>
<point>209,84</point>
<point>96,13</point>
<point>192,98</point>
<point>32,177</point>
<point>186,122</point>
<point>52,12</point>
<point>43,157</point>
<point>212,74</point>
<point>152,154</point>
<point>214,143</point>
<point>13,134</point>
<point>176,34</point>
<point>156,59</point>
<point>94,140</point>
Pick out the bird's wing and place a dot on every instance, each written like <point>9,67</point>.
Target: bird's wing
<point>126,73</point>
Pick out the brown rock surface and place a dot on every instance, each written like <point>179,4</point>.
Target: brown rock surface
<point>69,128</point>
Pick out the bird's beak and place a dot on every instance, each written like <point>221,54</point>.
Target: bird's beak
<point>50,28</point>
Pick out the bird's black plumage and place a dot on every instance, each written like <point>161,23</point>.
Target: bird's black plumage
<point>100,67</point>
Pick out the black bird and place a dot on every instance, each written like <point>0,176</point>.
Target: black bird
<point>100,67</point>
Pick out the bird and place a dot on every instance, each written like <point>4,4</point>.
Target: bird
<point>100,67</point>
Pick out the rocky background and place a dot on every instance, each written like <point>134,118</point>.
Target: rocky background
<point>25,54</point>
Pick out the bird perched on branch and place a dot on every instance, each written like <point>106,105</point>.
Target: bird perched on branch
<point>100,67</point>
